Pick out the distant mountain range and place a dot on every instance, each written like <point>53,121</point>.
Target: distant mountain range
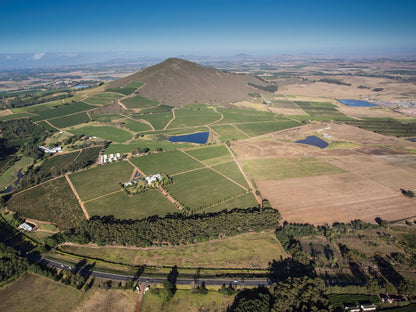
<point>177,82</point>
<point>18,61</point>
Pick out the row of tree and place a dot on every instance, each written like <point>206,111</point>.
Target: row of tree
<point>173,229</point>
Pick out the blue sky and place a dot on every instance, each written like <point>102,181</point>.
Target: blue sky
<point>164,28</point>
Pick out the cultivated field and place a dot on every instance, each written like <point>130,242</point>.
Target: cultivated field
<point>159,121</point>
<point>268,169</point>
<point>138,102</point>
<point>38,294</point>
<point>171,162</point>
<point>71,120</point>
<point>106,132</point>
<point>53,201</point>
<point>229,133</point>
<point>201,188</point>
<point>151,145</point>
<point>138,206</point>
<point>191,118</point>
<point>135,126</point>
<point>47,112</point>
<point>335,198</point>
<point>101,180</point>
<point>102,98</point>
<point>243,201</point>
<point>359,176</point>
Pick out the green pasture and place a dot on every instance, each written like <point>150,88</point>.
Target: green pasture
<point>138,206</point>
<point>202,188</point>
<point>172,162</point>
<point>10,175</point>
<point>106,132</point>
<point>53,201</point>
<point>282,168</point>
<point>101,180</point>
<point>139,102</point>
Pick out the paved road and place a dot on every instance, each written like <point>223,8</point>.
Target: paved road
<point>155,280</point>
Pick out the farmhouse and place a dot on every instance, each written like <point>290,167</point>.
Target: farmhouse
<point>153,178</point>
<point>26,226</point>
<point>370,307</point>
<point>48,150</point>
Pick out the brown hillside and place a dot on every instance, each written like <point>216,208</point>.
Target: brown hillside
<point>178,82</point>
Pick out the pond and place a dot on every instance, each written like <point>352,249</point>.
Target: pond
<point>356,103</point>
<point>81,87</point>
<point>315,141</point>
<point>199,137</point>
<point>12,187</point>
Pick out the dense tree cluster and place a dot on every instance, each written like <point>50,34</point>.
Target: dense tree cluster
<point>18,129</point>
<point>269,88</point>
<point>173,229</point>
<point>291,295</point>
<point>335,81</point>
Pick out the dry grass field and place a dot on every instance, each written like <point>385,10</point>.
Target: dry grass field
<point>249,250</point>
<point>108,301</point>
<point>372,170</point>
<point>34,293</point>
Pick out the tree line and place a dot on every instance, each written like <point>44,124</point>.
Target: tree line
<point>173,229</point>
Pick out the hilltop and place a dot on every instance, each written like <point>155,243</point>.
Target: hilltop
<point>177,82</point>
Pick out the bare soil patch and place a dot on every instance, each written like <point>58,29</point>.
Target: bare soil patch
<point>5,112</point>
<point>383,172</point>
<point>335,198</point>
<point>377,168</point>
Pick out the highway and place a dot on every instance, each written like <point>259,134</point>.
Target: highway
<point>155,280</point>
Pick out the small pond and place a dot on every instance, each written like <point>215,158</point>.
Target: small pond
<point>199,137</point>
<point>12,187</point>
<point>356,103</point>
<point>81,87</point>
<point>315,141</point>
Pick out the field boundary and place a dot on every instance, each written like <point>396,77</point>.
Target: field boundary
<point>87,216</point>
<point>215,170</point>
